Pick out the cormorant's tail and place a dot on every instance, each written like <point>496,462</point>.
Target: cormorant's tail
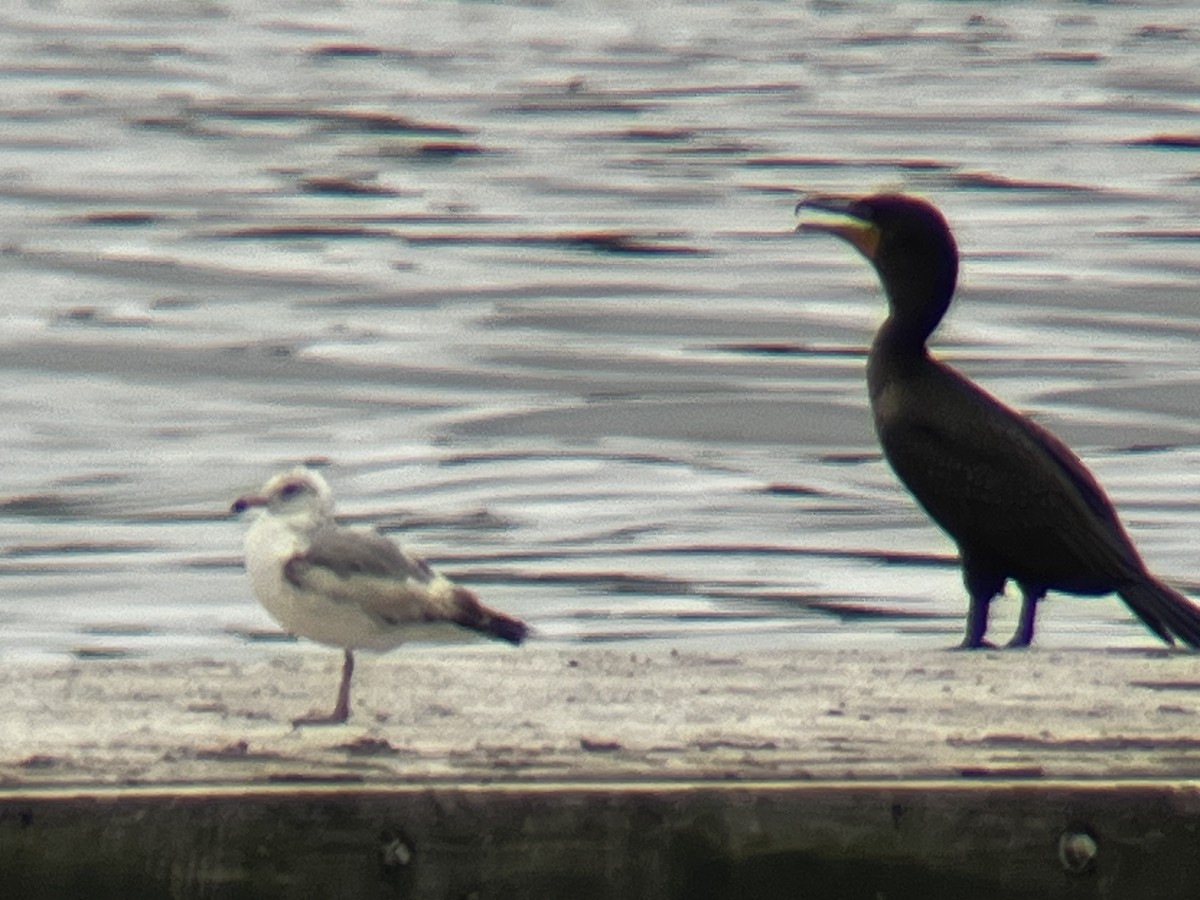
<point>1165,611</point>
<point>470,613</point>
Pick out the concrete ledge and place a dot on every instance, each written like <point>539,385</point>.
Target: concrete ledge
<point>695,841</point>
<point>578,772</point>
<point>481,714</point>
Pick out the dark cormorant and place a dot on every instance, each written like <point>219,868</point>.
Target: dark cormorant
<point>1016,500</point>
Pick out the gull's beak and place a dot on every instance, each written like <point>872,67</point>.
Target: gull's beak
<point>241,504</point>
<point>841,217</point>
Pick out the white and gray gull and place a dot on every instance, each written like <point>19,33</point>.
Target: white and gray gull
<point>352,588</point>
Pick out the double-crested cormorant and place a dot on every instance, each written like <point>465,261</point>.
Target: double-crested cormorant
<point>1019,504</point>
<point>350,587</point>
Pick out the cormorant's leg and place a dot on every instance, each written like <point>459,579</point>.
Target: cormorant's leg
<point>977,622</point>
<point>980,589</point>
<point>1030,596</point>
<point>341,712</point>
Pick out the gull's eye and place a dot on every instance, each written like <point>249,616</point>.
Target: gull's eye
<point>291,489</point>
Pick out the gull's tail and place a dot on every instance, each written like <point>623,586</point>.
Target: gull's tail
<point>470,613</point>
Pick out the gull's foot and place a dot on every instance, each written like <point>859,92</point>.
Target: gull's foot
<point>337,717</point>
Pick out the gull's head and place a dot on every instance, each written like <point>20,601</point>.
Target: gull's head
<point>301,495</point>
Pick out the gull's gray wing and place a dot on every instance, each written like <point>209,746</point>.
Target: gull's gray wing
<point>354,551</point>
<point>365,568</point>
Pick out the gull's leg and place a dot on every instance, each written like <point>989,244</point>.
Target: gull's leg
<point>341,712</point>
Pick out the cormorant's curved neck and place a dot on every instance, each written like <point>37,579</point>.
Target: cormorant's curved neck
<point>899,336</point>
<point>896,353</point>
<point>917,300</point>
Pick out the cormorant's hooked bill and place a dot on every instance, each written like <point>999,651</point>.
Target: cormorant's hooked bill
<point>839,216</point>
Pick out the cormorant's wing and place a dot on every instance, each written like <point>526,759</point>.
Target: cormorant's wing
<point>1003,485</point>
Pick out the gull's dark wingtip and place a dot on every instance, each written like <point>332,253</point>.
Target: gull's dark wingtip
<point>508,629</point>
<point>474,615</point>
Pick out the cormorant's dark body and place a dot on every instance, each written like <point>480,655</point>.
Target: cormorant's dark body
<point>1019,504</point>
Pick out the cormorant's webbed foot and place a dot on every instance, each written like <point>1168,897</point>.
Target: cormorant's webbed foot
<point>981,644</point>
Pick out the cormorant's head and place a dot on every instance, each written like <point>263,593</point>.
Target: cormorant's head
<point>904,238</point>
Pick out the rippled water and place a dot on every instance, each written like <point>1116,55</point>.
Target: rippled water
<point>523,276</point>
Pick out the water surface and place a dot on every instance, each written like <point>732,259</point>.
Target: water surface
<point>522,278</point>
